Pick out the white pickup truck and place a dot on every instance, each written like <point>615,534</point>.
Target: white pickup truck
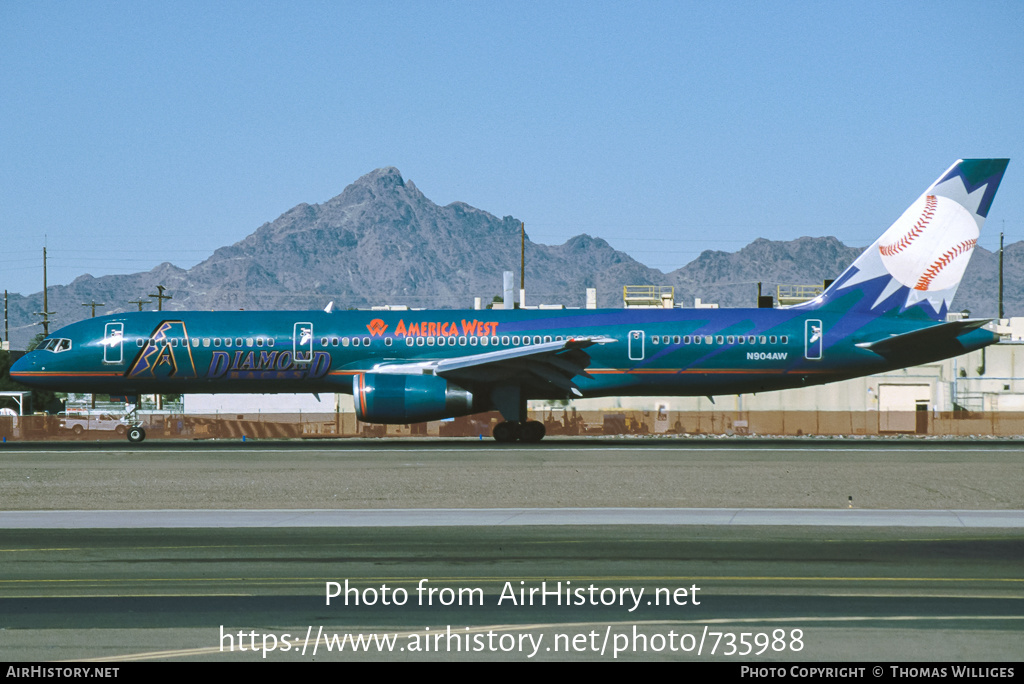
<point>79,423</point>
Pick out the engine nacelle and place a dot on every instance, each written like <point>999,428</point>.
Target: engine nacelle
<point>397,398</point>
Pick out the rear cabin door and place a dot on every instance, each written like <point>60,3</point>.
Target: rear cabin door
<point>813,333</point>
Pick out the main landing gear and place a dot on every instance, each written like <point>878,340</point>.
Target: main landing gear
<point>531,431</point>
<point>135,432</point>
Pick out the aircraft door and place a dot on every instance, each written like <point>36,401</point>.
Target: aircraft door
<point>813,342</point>
<point>302,342</point>
<point>113,343</point>
<point>636,345</point>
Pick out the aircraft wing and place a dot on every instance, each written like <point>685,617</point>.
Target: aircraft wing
<point>549,365</point>
<point>924,338</point>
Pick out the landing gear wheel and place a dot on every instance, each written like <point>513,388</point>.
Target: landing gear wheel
<point>136,435</point>
<point>533,431</point>
<point>506,432</point>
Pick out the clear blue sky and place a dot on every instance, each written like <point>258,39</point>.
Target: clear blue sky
<point>139,132</point>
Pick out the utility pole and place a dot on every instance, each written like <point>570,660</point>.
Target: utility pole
<point>160,297</point>
<point>1001,270</point>
<point>7,336</point>
<point>140,302</point>
<point>45,313</point>
<point>93,304</point>
<point>522,264</point>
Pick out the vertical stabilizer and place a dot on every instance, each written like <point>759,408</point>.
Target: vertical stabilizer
<point>917,264</point>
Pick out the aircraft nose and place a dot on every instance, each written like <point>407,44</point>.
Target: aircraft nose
<point>23,369</point>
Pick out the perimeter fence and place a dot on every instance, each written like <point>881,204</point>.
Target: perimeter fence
<point>557,423</point>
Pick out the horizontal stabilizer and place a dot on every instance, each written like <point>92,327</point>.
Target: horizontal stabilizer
<point>924,338</point>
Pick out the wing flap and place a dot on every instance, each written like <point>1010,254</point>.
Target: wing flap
<point>551,365</point>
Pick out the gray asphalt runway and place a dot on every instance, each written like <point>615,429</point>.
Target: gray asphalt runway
<point>506,517</point>
<point>790,572</point>
<point>825,474</point>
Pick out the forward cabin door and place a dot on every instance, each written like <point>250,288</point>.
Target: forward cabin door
<point>113,343</point>
<point>302,342</point>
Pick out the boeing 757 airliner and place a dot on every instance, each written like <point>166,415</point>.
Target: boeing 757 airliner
<point>886,311</point>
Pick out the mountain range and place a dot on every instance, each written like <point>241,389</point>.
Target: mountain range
<point>381,241</point>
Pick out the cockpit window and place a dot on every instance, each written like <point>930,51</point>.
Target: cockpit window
<point>55,344</point>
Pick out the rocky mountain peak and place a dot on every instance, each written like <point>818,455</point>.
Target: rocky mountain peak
<point>381,241</point>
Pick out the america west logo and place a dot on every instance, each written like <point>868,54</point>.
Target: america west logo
<point>158,359</point>
<point>377,327</point>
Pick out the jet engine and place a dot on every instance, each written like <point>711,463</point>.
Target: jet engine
<point>399,398</point>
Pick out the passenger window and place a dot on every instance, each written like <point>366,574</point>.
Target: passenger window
<point>504,340</point>
<point>708,339</point>
<point>772,339</point>
<point>696,339</point>
<point>259,341</point>
<point>730,339</point>
<point>515,340</point>
<point>462,341</point>
<point>238,341</point>
<point>785,339</point>
<point>654,340</point>
<point>408,341</point>
<point>419,341</point>
<point>472,341</point>
<point>547,338</point>
<point>366,341</point>
<point>206,341</point>
<point>762,339</point>
<point>387,341</point>
<point>484,341</point>
<point>138,343</point>
<point>216,341</point>
<point>719,339</point>
<point>323,341</point>
<point>355,341</point>
<point>430,341</point>
<point>536,339</point>
<point>344,341</point>
<point>270,341</point>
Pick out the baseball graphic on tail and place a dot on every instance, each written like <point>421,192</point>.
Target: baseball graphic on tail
<point>928,248</point>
